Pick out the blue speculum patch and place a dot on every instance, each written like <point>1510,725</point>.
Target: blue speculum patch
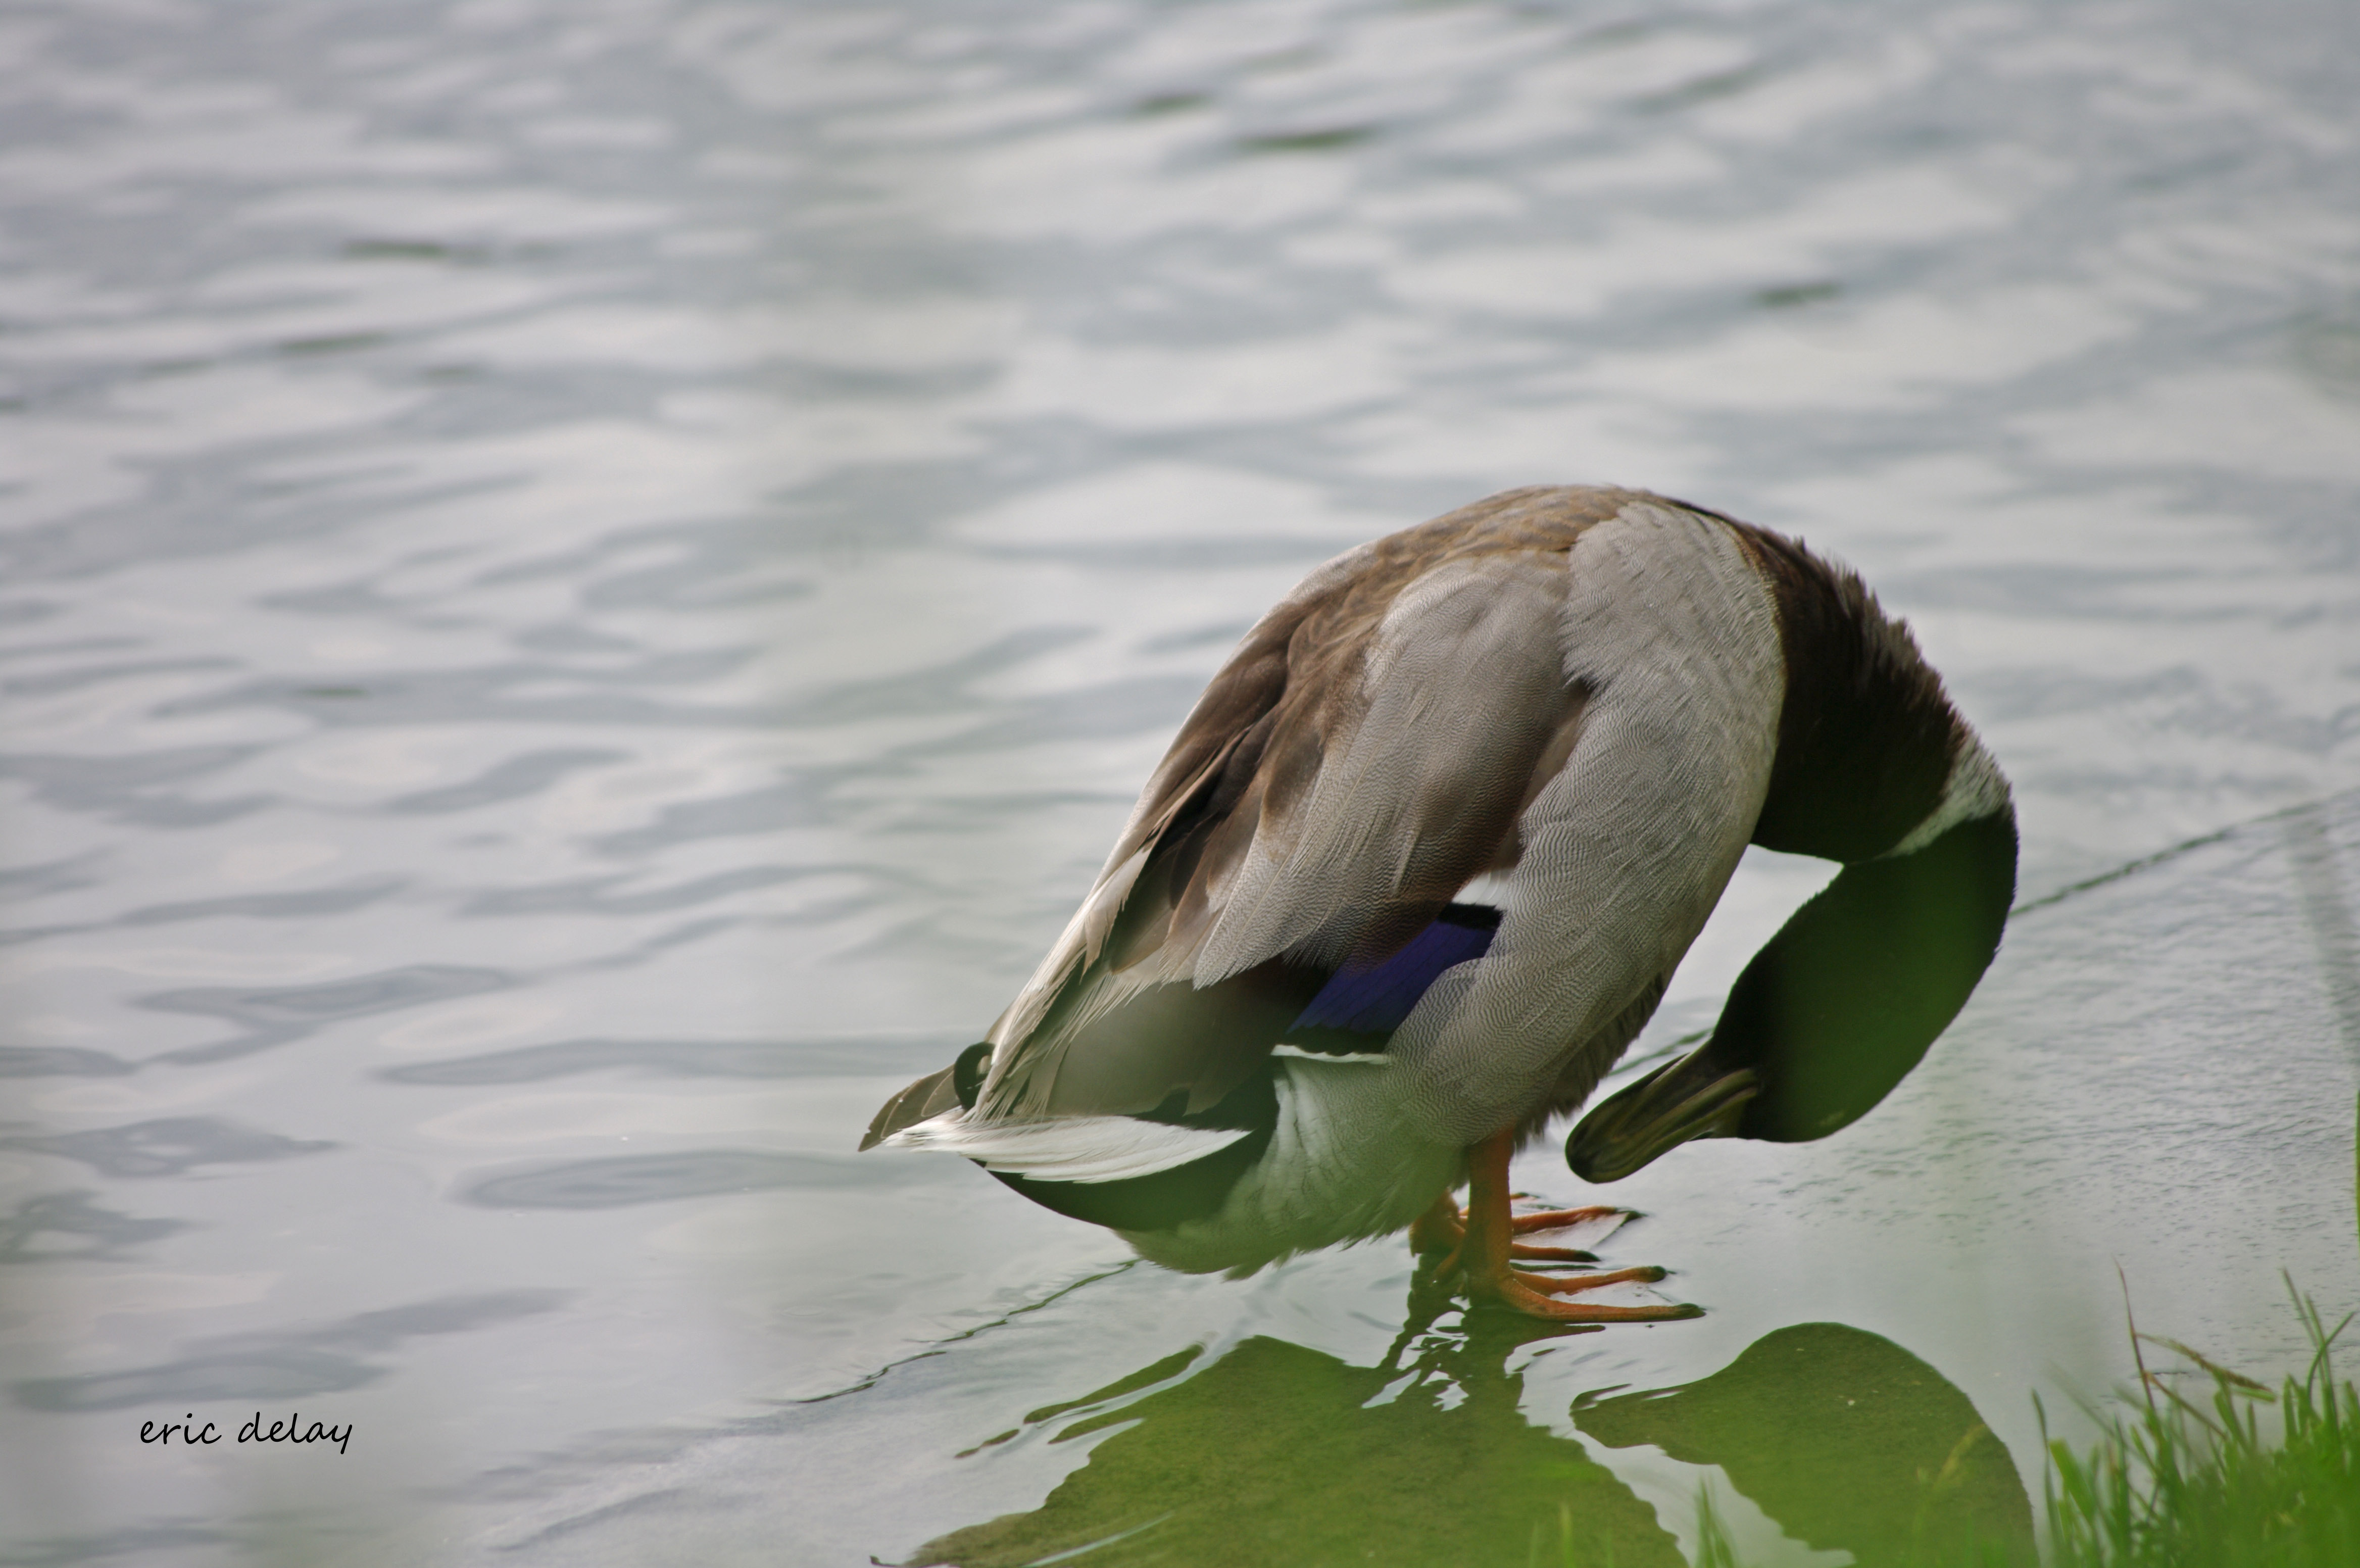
<point>1374,999</point>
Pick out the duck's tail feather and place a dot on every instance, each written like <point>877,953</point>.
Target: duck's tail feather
<point>929,1096</point>
<point>1066,1148</point>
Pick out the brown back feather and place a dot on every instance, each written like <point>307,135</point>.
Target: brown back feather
<point>1241,770</point>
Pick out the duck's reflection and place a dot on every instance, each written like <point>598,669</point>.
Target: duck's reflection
<point>1280,1455</point>
<point>1845,1439</point>
<point>1275,1453</point>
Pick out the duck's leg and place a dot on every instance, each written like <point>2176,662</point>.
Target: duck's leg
<point>1443,1227</point>
<point>1440,1229</point>
<point>1489,1245</point>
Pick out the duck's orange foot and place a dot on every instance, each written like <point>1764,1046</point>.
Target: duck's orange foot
<point>1541,1220</point>
<point>1538,1295</point>
<point>1443,1229</point>
<point>1478,1244</point>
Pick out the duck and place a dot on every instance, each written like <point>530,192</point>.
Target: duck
<point>1420,862</point>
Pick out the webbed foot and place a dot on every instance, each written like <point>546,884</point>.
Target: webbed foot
<point>1479,1243</point>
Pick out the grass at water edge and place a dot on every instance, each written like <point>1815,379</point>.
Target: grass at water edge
<point>2176,1482</point>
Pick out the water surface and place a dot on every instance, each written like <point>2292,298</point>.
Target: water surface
<point>585,587</point>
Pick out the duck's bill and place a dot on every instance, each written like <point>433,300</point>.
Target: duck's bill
<point>1691,1098</point>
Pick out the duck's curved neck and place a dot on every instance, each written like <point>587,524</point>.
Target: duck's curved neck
<point>1874,769</point>
<point>1833,1011</point>
<point>1869,746</point>
<point>1843,1002</point>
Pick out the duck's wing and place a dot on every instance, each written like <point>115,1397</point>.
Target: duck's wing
<point>1364,755</point>
<point>1672,630</point>
<point>1575,689</point>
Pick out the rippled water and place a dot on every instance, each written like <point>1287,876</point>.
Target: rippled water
<point>585,585</point>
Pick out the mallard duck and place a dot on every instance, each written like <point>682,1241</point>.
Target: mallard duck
<point>1417,867</point>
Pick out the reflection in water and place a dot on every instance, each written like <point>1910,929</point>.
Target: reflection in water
<point>284,1015</point>
<point>169,1145</point>
<point>621,1180</point>
<point>1845,1439</point>
<point>2328,915</point>
<point>643,548</point>
<point>1279,1454</point>
<point>331,1359</point>
<point>93,1232</point>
